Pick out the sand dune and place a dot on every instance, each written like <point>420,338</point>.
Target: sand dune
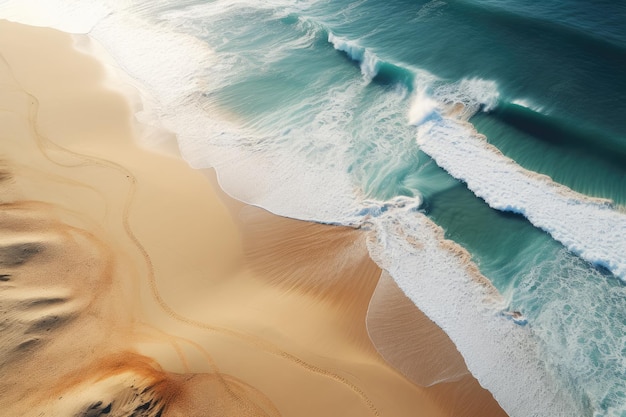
<point>131,285</point>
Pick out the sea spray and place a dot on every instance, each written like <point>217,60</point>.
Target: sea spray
<point>367,60</point>
<point>422,109</point>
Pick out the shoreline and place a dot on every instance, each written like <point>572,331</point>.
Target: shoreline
<point>183,291</point>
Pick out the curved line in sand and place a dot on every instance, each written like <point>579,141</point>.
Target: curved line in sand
<point>45,145</point>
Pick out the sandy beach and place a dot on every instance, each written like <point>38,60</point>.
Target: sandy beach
<point>132,284</point>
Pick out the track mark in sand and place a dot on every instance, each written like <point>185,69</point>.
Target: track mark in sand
<point>172,340</point>
<point>47,147</point>
<point>226,383</point>
<point>254,341</point>
<point>338,378</point>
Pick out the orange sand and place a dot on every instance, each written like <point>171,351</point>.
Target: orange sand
<point>131,283</point>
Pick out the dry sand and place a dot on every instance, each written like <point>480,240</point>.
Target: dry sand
<point>131,285</point>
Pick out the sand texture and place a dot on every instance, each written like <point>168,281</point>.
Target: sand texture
<point>131,285</point>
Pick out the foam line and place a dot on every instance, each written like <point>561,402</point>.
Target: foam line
<point>590,228</point>
<point>503,356</point>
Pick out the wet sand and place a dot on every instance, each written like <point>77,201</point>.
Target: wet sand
<point>130,283</point>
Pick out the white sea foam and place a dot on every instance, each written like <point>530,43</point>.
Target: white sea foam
<point>251,166</point>
<point>529,104</point>
<point>590,228</point>
<point>466,97</point>
<point>438,99</point>
<point>367,60</point>
<point>580,318</point>
<point>500,354</point>
<point>422,108</point>
<point>303,178</point>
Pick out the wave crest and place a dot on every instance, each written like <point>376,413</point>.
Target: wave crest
<point>367,60</point>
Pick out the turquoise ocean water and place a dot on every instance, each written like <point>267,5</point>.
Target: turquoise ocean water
<point>501,122</point>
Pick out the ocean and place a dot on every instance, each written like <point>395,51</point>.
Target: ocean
<point>481,143</point>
